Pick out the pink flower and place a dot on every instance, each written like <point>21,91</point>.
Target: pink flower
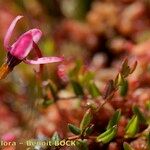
<point>18,51</point>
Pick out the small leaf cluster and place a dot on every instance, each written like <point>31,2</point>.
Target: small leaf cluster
<point>85,128</point>
<point>111,129</point>
<point>120,83</point>
<point>82,81</point>
<point>83,85</point>
<point>134,123</point>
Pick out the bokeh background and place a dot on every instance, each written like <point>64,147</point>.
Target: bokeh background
<point>97,34</point>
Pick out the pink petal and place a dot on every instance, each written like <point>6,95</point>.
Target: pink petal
<point>44,60</point>
<point>36,34</point>
<point>21,48</point>
<point>9,32</point>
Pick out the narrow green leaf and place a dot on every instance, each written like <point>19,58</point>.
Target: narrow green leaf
<point>107,136</point>
<point>47,103</point>
<point>87,118</point>
<point>125,70</point>
<point>73,74</point>
<point>89,130</point>
<point>115,119</point>
<point>78,90</point>
<point>123,89</point>
<point>82,145</point>
<point>75,130</point>
<point>93,89</point>
<point>132,127</point>
<point>109,89</point>
<point>116,81</point>
<point>53,89</point>
<point>137,112</point>
<point>126,146</point>
<point>87,77</point>
<point>119,80</point>
<point>55,137</point>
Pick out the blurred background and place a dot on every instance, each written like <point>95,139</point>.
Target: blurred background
<point>95,34</point>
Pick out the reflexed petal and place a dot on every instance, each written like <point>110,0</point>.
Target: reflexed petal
<point>44,60</point>
<point>25,43</point>
<point>36,34</point>
<point>21,48</point>
<point>9,32</point>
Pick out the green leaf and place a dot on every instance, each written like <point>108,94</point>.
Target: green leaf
<point>89,130</point>
<point>132,127</point>
<point>87,77</point>
<point>126,146</point>
<point>107,136</point>
<point>73,74</point>
<point>109,89</point>
<point>55,137</point>
<point>93,89</point>
<point>125,70</point>
<point>119,80</point>
<point>47,103</point>
<point>52,88</point>
<point>78,90</point>
<point>87,118</point>
<point>123,89</point>
<point>137,112</point>
<point>82,145</point>
<point>115,119</point>
<point>75,130</point>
